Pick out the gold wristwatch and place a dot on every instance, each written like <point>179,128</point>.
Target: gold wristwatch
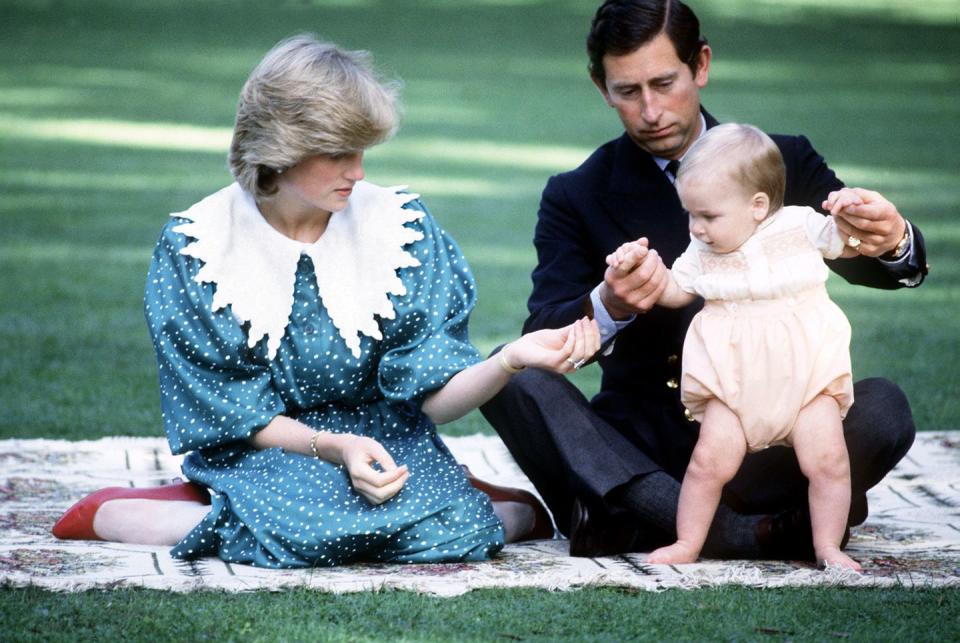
<point>901,248</point>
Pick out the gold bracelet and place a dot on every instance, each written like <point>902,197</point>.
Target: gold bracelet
<point>313,443</point>
<point>505,365</point>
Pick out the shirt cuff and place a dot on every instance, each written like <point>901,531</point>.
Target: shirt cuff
<point>903,261</point>
<point>609,327</point>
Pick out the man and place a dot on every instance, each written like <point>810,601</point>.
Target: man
<point>609,468</point>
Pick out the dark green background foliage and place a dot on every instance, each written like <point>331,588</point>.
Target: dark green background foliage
<point>115,113</point>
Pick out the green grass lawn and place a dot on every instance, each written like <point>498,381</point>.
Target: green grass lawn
<point>729,614</point>
<point>115,113</point>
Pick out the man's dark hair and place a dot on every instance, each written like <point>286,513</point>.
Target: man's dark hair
<point>623,26</point>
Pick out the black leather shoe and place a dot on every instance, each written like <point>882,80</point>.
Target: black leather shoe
<point>789,536</point>
<point>592,536</point>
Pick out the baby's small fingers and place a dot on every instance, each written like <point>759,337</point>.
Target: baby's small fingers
<point>571,339</point>
<point>632,259</point>
<point>594,335</point>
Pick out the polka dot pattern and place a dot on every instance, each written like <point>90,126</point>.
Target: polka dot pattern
<point>272,508</point>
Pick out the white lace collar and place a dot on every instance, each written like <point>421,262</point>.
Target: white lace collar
<point>254,266</point>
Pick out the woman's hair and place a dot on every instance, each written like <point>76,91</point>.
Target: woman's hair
<point>745,154</point>
<point>620,27</point>
<point>307,98</point>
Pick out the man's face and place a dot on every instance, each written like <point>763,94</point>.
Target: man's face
<point>656,96</point>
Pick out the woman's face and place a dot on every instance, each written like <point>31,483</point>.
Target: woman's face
<point>322,182</point>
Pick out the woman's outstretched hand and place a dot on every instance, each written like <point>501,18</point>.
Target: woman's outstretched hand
<point>560,350</point>
<point>557,349</point>
<point>358,454</point>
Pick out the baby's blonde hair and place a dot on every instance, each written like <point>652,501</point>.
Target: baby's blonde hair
<point>745,154</point>
<point>307,98</point>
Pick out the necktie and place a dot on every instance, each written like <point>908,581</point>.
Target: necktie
<point>673,167</point>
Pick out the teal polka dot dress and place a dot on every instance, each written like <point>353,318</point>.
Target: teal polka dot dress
<point>273,508</point>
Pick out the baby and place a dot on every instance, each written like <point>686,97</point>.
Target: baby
<point>767,360</point>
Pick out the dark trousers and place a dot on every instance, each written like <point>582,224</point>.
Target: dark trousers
<point>570,447</point>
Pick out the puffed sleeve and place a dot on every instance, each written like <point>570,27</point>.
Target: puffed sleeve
<point>212,389</point>
<point>823,233</point>
<point>426,343</point>
<point>686,269</point>
<point>809,181</point>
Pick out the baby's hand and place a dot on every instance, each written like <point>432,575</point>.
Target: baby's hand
<point>628,256</point>
<point>840,200</point>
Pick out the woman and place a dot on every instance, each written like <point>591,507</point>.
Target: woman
<point>310,329</point>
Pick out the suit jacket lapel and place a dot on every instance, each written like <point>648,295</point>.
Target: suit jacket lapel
<point>639,195</point>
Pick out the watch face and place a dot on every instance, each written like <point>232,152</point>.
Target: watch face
<point>903,245</point>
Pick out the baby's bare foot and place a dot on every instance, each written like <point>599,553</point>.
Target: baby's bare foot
<point>677,553</point>
<point>836,558</point>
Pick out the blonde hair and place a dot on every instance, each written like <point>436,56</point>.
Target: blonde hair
<point>307,98</point>
<point>745,154</point>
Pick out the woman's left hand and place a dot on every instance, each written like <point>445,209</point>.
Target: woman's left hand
<point>561,350</point>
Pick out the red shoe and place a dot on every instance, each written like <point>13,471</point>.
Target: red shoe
<point>542,525</point>
<point>77,522</point>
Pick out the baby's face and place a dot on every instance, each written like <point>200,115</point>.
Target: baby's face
<point>722,213</point>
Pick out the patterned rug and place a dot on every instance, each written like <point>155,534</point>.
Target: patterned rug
<point>911,539</point>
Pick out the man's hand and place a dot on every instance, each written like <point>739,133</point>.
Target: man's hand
<point>874,220</point>
<point>634,280</point>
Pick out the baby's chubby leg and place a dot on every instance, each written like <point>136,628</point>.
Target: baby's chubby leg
<point>822,453</point>
<point>715,460</point>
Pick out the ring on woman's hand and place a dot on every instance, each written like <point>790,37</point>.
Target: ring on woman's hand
<point>576,365</point>
<point>853,242</point>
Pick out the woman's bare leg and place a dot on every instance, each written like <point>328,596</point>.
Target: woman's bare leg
<point>517,518</point>
<point>147,522</point>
